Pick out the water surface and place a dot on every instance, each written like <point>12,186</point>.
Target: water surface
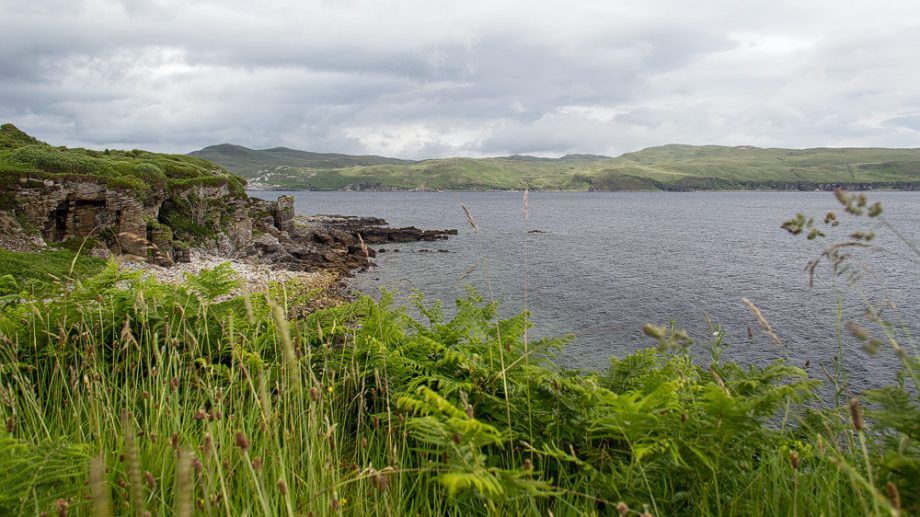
<point>604,264</point>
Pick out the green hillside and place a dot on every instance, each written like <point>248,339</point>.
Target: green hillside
<point>752,167</point>
<point>140,172</point>
<point>669,167</point>
<point>249,162</point>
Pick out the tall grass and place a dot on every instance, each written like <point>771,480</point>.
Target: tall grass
<point>121,395</point>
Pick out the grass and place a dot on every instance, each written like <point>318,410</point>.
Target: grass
<point>123,395</point>
<point>31,269</point>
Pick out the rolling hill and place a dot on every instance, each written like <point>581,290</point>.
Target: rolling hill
<point>249,162</point>
<point>668,167</point>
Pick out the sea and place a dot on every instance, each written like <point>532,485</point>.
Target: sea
<point>598,266</point>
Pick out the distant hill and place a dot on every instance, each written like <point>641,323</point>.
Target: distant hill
<point>668,167</point>
<point>249,162</point>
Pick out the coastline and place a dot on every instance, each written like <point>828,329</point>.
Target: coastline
<point>792,187</point>
<point>253,277</point>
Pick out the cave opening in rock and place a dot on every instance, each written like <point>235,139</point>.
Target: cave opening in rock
<point>57,230</point>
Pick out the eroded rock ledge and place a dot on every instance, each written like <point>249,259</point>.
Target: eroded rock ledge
<point>165,227</point>
<point>329,241</point>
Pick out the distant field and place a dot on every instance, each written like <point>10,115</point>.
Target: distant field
<point>669,167</point>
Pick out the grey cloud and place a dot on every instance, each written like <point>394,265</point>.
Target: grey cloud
<point>421,79</point>
<point>907,122</point>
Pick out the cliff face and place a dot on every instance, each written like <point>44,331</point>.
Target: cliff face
<point>165,227</point>
<point>62,210</point>
<point>162,226</point>
<point>160,207</point>
<point>135,202</point>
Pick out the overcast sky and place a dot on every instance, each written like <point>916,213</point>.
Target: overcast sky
<point>428,78</point>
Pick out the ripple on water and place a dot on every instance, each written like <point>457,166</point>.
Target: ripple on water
<point>610,262</point>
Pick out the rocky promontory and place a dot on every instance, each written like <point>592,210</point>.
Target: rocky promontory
<point>323,241</point>
<point>167,209</point>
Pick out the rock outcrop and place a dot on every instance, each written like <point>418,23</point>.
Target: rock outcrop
<point>66,209</point>
<point>341,242</point>
<point>164,228</point>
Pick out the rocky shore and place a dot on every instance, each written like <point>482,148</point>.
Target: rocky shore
<point>316,252</point>
<point>254,278</point>
<point>184,230</point>
<point>333,242</point>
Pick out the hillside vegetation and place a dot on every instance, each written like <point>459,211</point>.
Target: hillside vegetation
<point>669,167</point>
<point>136,171</point>
<point>248,162</point>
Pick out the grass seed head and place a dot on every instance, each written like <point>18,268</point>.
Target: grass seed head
<point>469,218</point>
<point>653,331</point>
<point>381,481</point>
<point>841,196</point>
<point>99,489</point>
<point>526,208</point>
<point>857,331</point>
<point>872,346</point>
<point>875,210</point>
<point>63,507</point>
<point>241,441</point>
<point>894,495</point>
<point>856,414</point>
<point>762,321</point>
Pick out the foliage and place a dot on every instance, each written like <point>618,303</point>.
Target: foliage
<point>361,409</point>
<point>12,137</point>
<point>117,391</point>
<point>140,172</point>
<point>34,269</point>
<point>894,410</point>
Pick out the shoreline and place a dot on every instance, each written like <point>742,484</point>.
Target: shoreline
<point>253,277</point>
<point>911,188</point>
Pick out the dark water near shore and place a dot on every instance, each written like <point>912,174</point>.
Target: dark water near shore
<point>606,263</point>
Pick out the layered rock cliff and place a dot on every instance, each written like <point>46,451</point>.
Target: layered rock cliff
<point>159,207</point>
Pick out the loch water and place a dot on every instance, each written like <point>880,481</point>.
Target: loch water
<point>601,265</point>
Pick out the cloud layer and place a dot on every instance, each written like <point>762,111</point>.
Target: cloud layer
<point>425,78</point>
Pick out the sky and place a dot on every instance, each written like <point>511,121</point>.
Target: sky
<point>426,78</point>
